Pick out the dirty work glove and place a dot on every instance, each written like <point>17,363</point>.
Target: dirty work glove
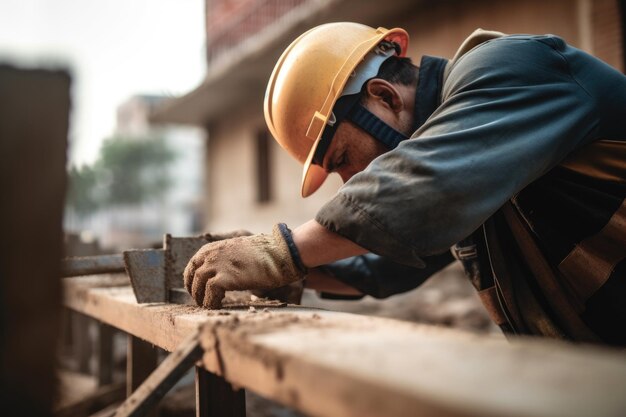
<point>291,294</point>
<point>257,262</point>
<point>228,235</point>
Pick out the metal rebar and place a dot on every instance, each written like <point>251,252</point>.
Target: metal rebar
<point>89,265</point>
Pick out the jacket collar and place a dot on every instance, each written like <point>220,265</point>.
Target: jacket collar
<point>428,91</point>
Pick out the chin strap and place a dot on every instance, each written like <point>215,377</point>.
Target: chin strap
<point>378,129</point>
<point>373,125</point>
<point>349,108</point>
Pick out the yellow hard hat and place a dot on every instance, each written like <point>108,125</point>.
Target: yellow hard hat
<point>309,78</point>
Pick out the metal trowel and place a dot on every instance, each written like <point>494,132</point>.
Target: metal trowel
<point>156,275</point>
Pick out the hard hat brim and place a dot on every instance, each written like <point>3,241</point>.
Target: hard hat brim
<point>313,176</point>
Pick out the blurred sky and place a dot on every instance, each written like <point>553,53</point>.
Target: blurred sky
<point>114,49</point>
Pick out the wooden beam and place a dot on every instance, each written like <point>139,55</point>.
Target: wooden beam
<point>141,360</point>
<point>337,365</point>
<point>83,347</point>
<point>215,397</point>
<point>34,120</point>
<point>104,370</point>
<point>342,365</point>
<point>109,298</point>
<point>154,388</point>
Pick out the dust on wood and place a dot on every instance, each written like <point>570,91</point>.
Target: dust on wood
<point>247,300</point>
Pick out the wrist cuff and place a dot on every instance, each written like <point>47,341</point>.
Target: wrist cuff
<point>293,250</point>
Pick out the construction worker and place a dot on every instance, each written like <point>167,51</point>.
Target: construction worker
<point>513,154</point>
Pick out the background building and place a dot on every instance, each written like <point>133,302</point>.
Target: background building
<point>178,210</point>
<point>250,182</point>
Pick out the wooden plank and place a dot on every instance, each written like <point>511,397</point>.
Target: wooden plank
<point>215,397</point>
<point>203,397</point>
<point>34,117</point>
<point>406,370</point>
<point>104,371</point>
<point>141,361</point>
<point>110,299</point>
<point>83,348</point>
<point>342,365</point>
<point>154,388</point>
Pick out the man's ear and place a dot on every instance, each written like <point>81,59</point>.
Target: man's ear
<point>385,94</point>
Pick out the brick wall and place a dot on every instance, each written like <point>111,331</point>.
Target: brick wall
<point>222,13</point>
<point>230,22</point>
<point>607,35</point>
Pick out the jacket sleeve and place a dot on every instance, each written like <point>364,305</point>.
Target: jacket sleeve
<point>380,277</point>
<point>510,111</point>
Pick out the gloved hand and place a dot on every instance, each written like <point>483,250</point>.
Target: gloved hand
<point>257,262</point>
<point>227,235</point>
<point>291,294</point>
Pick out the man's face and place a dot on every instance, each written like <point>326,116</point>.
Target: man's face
<point>352,150</point>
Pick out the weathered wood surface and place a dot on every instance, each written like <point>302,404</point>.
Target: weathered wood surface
<point>109,298</point>
<point>336,364</point>
<point>169,372</point>
<point>215,397</point>
<point>105,363</point>
<point>141,360</point>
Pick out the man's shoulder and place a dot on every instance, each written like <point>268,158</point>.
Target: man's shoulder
<point>489,59</point>
<point>482,36</point>
<point>477,37</point>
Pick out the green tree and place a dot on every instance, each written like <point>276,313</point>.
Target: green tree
<point>128,171</point>
<point>81,194</point>
<point>133,169</point>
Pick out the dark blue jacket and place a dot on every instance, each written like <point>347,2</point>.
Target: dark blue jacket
<point>524,120</point>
